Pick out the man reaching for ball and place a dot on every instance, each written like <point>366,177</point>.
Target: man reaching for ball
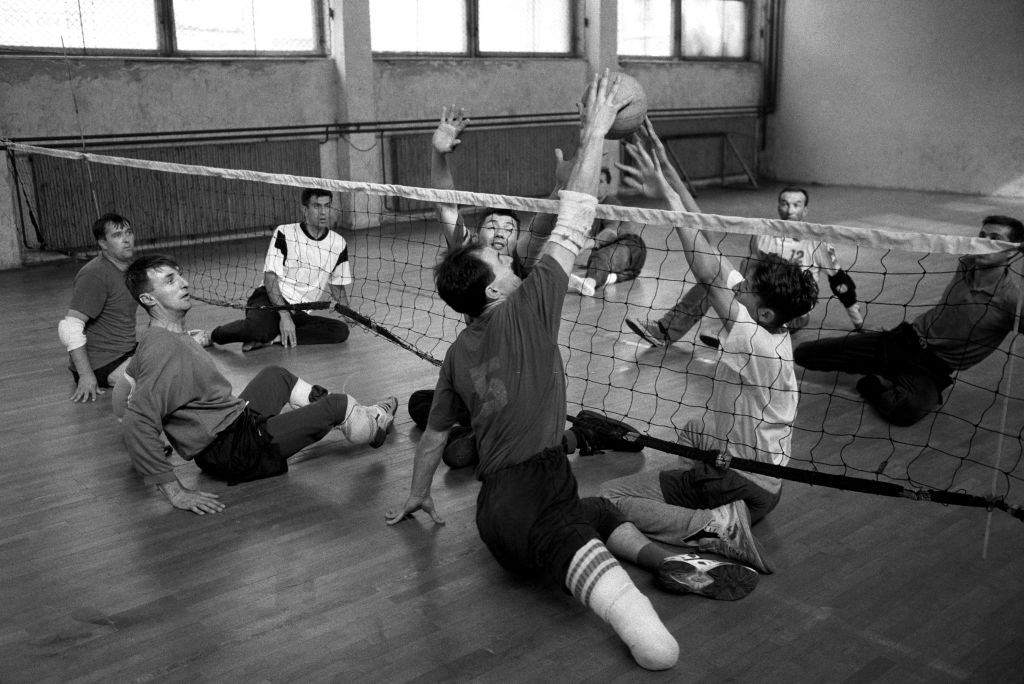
<point>506,369</point>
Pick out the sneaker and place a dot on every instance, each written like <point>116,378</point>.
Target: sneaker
<point>729,535</point>
<point>316,393</point>
<point>201,336</point>
<point>688,573</point>
<point>653,334</point>
<point>710,340</point>
<point>460,451</point>
<point>385,419</point>
<point>595,432</point>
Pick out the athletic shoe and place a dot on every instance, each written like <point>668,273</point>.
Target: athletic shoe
<point>585,286</point>
<point>653,334</point>
<point>595,432</point>
<point>688,573</point>
<point>710,340</point>
<point>460,451</point>
<point>316,393</point>
<point>732,538</point>
<point>385,418</point>
<point>201,336</point>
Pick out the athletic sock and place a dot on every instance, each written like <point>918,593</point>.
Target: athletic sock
<point>300,394</point>
<point>597,581</point>
<point>611,280</point>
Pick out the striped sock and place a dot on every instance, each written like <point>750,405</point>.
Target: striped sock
<point>597,581</point>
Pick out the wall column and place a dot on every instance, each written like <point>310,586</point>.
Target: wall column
<point>357,156</point>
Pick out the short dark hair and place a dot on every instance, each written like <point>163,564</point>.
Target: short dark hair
<point>607,173</point>
<point>499,212</point>
<point>793,188</point>
<point>99,226</point>
<point>309,193</point>
<point>462,277</point>
<point>136,277</point>
<point>784,287</point>
<point>1015,226</point>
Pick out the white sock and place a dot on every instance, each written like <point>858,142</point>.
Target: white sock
<point>597,581</point>
<point>611,280</point>
<point>300,394</point>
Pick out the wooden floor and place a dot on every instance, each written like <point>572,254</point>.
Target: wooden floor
<point>300,580</point>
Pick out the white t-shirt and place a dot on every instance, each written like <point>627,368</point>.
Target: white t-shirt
<point>754,397</point>
<point>306,266</point>
<point>810,255</point>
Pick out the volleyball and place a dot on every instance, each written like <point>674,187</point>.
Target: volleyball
<point>631,115</point>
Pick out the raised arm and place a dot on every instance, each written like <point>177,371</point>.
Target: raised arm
<point>576,212</point>
<point>840,282</point>
<point>706,261</point>
<point>443,143</point>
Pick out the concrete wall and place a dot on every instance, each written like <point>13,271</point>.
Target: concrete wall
<point>137,95</point>
<point>917,94</point>
<point>120,96</point>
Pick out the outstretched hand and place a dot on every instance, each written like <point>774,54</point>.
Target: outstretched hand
<point>645,174</point>
<point>602,105</point>
<point>413,504</point>
<point>453,122</point>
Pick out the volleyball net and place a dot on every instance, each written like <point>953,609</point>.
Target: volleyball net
<point>217,222</point>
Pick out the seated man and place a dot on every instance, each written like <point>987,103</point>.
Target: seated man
<point>99,328</point>
<point>498,228</point>
<point>306,262</point>
<point>811,255</point>
<point>505,369</point>
<point>753,399</point>
<point>179,391</point>
<point>907,368</point>
<point>619,252</point>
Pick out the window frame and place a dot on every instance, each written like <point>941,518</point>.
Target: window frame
<point>677,40</point>
<point>473,51</point>
<point>166,42</point>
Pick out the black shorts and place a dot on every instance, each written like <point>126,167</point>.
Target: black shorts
<point>103,372</point>
<point>532,519</point>
<point>242,452</point>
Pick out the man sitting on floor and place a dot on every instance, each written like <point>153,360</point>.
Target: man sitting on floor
<point>907,368</point>
<point>306,262</point>
<point>178,390</point>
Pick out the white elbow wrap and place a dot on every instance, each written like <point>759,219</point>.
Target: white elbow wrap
<point>72,332</point>
<point>575,216</point>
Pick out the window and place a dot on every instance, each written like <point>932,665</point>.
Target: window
<point>472,27</point>
<point>240,27</point>
<point>685,29</point>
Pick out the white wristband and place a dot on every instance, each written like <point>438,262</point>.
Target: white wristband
<point>575,215</point>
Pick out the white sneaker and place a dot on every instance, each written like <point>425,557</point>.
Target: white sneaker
<point>689,573</point>
<point>733,538</point>
<point>385,418</point>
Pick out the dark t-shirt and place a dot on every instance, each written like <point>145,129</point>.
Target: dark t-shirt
<point>506,368</point>
<point>99,292</point>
